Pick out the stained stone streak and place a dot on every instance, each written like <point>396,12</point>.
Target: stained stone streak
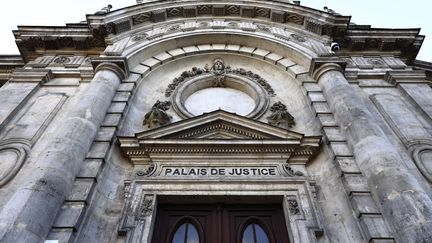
<point>210,99</point>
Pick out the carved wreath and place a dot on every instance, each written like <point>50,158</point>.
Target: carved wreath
<point>219,70</point>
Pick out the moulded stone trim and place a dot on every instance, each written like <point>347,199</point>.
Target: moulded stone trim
<point>21,151</point>
<point>243,84</point>
<point>139,210</point>
<point>420,162</point>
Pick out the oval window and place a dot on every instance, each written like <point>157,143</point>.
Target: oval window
<point>186,233</point>
<point>253,233</point>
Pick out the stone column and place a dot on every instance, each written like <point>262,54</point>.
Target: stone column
<point>31,211</point>
<point>403,201</point>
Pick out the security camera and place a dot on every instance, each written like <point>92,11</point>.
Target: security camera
<point>335,47</point>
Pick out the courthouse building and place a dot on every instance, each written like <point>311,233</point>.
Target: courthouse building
<point>215,121</point>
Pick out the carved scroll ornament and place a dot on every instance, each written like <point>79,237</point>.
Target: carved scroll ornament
<point>280,117</point>
<point>157,116</point>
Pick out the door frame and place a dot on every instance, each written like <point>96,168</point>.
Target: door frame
<point>296,195</point>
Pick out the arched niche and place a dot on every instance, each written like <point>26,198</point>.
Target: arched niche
<point>152,87</point>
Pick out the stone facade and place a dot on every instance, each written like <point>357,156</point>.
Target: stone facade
<point>96,130</point>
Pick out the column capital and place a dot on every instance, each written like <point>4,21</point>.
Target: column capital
<point>34,75</point>
<point>321,65</point>
<point>118,65</point>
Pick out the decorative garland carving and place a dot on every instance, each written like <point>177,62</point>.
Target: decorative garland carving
<point>219,70</point>
<point>292,172</point>
<point>139,37</point>
<point>293,206</point>
<point>280,117</point>
<point>185,75</point>
<point>146,171</point>
<point>62,60</point>
<point>298,38</point>
<point>157,116</point>
<point>146,208</point>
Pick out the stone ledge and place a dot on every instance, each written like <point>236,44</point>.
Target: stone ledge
<point>31,75</point>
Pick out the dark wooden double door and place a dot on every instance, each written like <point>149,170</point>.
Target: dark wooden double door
<point>220,223</point>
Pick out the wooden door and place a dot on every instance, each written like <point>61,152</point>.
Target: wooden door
<point>220,223</point>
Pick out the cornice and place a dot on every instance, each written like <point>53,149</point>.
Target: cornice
<point>36,75</point>
<point>183,138</point>
<point>405,43</point>
<point>34,40</point>
<point>426,66</point>
<point>406,76</point>
<point>7,64</point>
<point>314,21</point>
<point>102,28</point>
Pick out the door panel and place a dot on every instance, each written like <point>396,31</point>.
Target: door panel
<point>220,223</point>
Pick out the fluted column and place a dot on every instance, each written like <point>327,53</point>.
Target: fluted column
<point>31,211</point>
<point>404,203</point>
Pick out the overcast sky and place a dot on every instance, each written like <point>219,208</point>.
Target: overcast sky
<point>378,13</point>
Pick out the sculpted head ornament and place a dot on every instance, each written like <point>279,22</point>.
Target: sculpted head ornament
<point>218,70</point>
<point>218,66</point>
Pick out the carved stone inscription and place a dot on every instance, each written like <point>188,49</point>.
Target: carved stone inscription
<point>220,171</point>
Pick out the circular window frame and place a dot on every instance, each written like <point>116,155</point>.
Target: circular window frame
<point>233,81</point>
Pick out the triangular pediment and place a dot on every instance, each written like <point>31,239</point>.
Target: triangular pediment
<point>219,125</point>
<point>219,133</point>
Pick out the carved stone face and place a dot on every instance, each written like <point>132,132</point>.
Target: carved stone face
<point>218,65</point>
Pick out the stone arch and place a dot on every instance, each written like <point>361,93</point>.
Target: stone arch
<point>13,154</point>
<point>168,57</point>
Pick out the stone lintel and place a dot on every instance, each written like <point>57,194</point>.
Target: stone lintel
<point>406,76</point>
<point>321,65</point>
<point>118,65</point>
<point>31,75</point>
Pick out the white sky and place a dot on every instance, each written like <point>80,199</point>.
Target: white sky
<point>378,13</point>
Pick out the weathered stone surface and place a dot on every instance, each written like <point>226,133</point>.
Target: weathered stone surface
<point>70,215</point>
<point>61,235</point>
<point>81,190</point>
<point>45,188</point>
<point>122,96</point>
<point>364,204</point>
<point>12,97</point>
<point>421,96</point>
<point>111,120</point>
<point>90,168</point>
<point>375,227</point>
<point>391,183</point>
<point>117,107</point>
<point>64,176</point>
<point>347,165</point>
<point>37,117</point>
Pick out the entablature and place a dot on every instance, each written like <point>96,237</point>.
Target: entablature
<point>314,21</point>
<point>7,64</point>
<point>206,137</point>
<point>364,40</point>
